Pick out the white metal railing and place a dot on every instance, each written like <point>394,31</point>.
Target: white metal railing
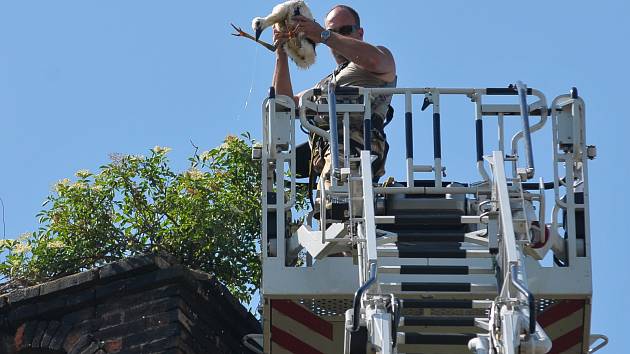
<point>366,230</point>
<point>278,150</point>
<point>366,245</point>
<point>514,311</point>
<point>431,97</point>
<point>278,145</point>
<point>568,124</point>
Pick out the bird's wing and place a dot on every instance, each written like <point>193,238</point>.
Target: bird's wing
<point>280,12</point>
<point>298,7</point>
<point>305,10</point>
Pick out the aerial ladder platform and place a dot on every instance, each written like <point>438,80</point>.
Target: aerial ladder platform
<point>500,264</point>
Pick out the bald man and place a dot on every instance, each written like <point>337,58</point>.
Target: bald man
<point>359,64</point>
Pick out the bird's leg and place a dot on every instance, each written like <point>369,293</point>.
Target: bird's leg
<point>241,33</point>
<point>294,34</point>
<point>290,29</point>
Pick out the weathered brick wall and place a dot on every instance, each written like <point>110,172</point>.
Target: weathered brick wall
<point>140,305</point>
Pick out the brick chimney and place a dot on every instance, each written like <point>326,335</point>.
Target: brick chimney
<point>145,304</point>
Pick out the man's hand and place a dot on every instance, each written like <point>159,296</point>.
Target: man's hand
<point>311,29</point>
<point>279,39</point>
<point>281,76</point>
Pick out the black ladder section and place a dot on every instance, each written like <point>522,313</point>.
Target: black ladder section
<point>444,281</point>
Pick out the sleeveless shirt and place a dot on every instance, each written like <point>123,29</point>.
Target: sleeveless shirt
<point>350,74</point>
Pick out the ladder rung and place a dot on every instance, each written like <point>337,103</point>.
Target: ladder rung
<point>439,339</point>
<point>420,269</point>
<point>401,252</point>
<point>444,304</point>
<point>417,286</point>
<point>434,269</point>
<point>430,237</point>
<point>447,321</point>
<point>421,219</point>
<point>440,329</point>
<point>441,290</point>
<point>432,349</point>
<point>428,245</point>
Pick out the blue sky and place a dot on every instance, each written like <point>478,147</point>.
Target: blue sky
<point>80,80</point>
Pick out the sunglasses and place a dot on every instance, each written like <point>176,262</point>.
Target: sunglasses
<point>345,30</point>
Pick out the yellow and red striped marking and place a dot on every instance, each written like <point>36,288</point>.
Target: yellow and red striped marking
<point>295,329</point>
<point>564,324</point>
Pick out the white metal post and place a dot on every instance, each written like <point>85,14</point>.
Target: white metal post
<point>264,165</point>
<point>368,206</point>
<point>501,132</point>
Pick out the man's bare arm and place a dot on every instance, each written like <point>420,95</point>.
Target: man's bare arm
<point>281,75</point>
<point>377,60</point>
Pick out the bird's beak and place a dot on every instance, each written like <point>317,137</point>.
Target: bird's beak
<point>258,32</point>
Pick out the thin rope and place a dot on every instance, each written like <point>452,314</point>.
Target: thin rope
<point>4,224</point>
<point>251,85</point>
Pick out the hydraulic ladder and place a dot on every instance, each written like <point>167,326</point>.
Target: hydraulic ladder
<point>442,266</point>
<point>440,271</point>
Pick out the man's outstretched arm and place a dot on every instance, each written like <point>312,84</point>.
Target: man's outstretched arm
<point>281,75</point>
<point>377,60</point>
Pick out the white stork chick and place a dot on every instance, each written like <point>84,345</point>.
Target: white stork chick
<point>299,48</point>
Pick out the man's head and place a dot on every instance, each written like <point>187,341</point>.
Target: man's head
<point>344,20</point>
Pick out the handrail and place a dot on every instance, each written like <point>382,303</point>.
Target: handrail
<point>334,134</point>
<point>594,338</point>
<point>270,103</point>
<point>503,198</point>
<point>512,257</point>
<point>304,103</point>
<point>307,104</point>
<point>540,104</point>
<point>356,303</point>
<point>370,257</point>
<point>529,153</point>
<point>518,284</point>
<point>250,342</point>
<point>578,176</point>
<point>368,206</point>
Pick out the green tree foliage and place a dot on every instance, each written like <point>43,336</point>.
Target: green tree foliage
<point>207,216</point>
